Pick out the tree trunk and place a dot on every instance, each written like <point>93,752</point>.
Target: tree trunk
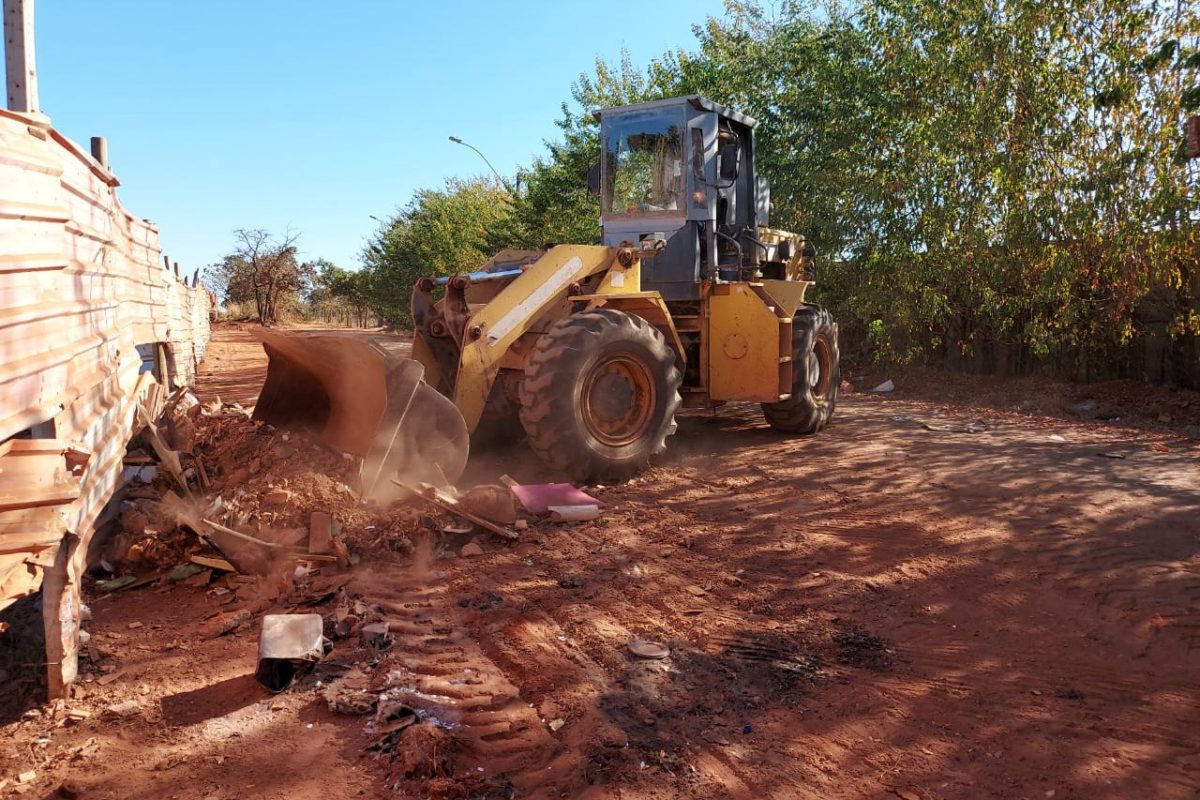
<point>258,299</point>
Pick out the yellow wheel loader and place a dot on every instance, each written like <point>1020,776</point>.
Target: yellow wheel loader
<point>691,299</point>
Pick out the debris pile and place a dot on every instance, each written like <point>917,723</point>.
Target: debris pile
<point>224,492</point>
<point>269,523</point>
<point>212,490</point>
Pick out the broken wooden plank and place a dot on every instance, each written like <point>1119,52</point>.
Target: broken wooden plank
<point>245,537</point>
<point>109,677</point>
<point>213,563</point>
<point>316,558</point>
<point>202,474</point>
<point>55,495</point>
<point>273,550</point>
<point>320,532</point>
<point>30,530</point>
<point>168,457</point>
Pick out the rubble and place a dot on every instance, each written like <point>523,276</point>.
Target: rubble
<point>250,499</point>
<point>128,708</point>
<point>446,502</point>
<point>263,522</point>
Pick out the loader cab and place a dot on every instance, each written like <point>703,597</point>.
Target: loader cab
<point>682,170</point>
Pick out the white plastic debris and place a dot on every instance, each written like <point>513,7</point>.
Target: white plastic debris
<point>574,513</point>
<point>886,386</point>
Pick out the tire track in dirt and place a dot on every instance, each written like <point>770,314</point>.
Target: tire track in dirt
<point>565,648</point>
<point>438,668</point>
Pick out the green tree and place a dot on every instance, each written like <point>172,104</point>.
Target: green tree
<point>340,294</point>
<point>440,232</point>
<point>993,183</point>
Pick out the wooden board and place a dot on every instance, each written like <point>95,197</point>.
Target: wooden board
<point>82,289</point>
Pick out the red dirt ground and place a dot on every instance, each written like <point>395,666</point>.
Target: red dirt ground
<point>882,610</point>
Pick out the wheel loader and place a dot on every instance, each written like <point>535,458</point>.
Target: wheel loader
<point>690,299</point>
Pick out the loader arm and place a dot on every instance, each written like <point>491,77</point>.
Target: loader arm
<point>493,330</point>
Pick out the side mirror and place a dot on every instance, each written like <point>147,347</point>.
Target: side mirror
<point>593,179</point>
<point>730,156</point>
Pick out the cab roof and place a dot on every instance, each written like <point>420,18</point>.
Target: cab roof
<point>695,100</point>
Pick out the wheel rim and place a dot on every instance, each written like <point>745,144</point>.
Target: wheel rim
<point>820,369</point>
<point>618,400</point>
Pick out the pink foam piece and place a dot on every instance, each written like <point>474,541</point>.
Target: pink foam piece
<point>536,498</point>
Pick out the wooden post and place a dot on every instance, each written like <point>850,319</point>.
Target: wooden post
<point>176,270</point>
<point>61,616</point>
<point>100,150</point>
<point>167,263</point>
<point>19,62</point>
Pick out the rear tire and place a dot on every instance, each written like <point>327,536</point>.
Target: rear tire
<point>600,394</point>
<point>816,375</point>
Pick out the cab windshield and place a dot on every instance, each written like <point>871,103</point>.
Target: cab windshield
<point>643,163</point>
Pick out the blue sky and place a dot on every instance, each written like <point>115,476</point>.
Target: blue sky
<point>316,115</point>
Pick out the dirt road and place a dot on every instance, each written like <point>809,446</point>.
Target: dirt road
<point>882,610</point>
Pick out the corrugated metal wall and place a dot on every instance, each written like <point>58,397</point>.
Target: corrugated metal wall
<point>82,284</point>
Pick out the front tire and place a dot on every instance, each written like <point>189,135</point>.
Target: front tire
<point>600,394</point>
<point>816,375</point>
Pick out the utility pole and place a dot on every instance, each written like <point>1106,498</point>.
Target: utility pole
<point>457,140</point>
<point>19,62</point>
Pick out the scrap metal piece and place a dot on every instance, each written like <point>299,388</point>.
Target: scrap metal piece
<point>289,646</point>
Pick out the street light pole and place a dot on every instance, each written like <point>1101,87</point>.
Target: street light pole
<point>457,140</point>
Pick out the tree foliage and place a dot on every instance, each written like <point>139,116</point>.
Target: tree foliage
<point>440,232</point>
<point>340,295</point>
<point>994,183</point>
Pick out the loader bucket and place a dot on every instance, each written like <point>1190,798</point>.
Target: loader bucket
<point>364,401</point>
